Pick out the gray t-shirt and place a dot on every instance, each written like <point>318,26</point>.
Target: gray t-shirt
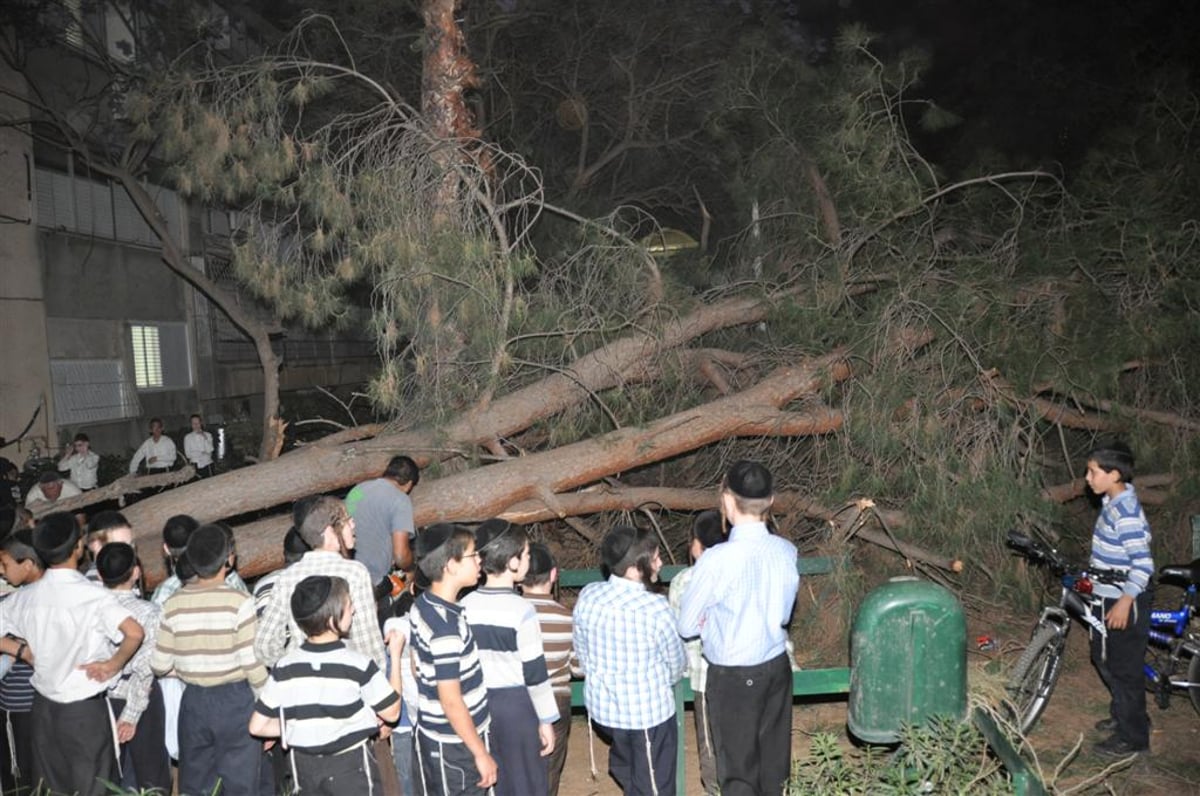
<point>379,508</point>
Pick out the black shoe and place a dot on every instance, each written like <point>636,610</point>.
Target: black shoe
<point>1118,747</point>
<point>1106,725</point>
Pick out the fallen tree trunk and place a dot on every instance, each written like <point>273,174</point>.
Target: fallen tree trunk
<point>488,491</point>
<point>117,490</point>
<point>346,458</point>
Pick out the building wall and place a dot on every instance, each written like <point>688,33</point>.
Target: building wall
<point>24,361</point>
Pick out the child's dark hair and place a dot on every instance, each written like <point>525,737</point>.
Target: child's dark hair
<point>1114,455</point>
<point>709,528</point>
<point>209,549</point>
<point>541,564</point>
<point>318,602</point>
<point>403,470</point>
<point>499,541</point>
<point>104,521</point>
<point>438,545</point>
<point>19,545</point>
<point>625,546</point>
<point>55,536</point>
<point>294,547</point>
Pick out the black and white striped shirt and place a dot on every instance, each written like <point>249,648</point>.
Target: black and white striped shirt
<point>328,696</point>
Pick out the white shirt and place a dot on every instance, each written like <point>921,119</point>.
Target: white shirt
<point>198,448</point>
<point>163,451</point>
<point>36,495</point>
<point>68,621</point>
<point>82,467</point>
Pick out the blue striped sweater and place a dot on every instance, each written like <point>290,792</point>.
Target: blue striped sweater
<point>1121,540</point>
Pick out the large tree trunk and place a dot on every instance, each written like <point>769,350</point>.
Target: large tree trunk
<point>346,458</point>
<point>487,491</point>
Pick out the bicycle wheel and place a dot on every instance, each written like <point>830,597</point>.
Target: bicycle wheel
<point>1194,677</point>
<point>1035,675</point>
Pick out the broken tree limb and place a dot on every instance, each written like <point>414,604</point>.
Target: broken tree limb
<point>1047,410</point>
<point>487,491</point>
<point>117,490</point>
<point>348,457</point>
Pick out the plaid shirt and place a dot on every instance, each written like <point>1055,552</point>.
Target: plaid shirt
<point>136,679</point>
<point>278,632</point>
<point>630,654</point>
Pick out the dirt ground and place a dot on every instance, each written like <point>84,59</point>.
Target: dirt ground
<point>1171,769</point>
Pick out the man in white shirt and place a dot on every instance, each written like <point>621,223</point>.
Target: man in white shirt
<point>198,448</point>
<point>81,462</point>
<point>50,488</point>
<point>66,628</point>
<point>158,451</point>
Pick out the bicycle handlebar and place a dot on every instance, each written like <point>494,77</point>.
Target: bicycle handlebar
<point>1039,553</point>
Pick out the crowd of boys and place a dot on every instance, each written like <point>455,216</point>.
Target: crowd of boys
<point>299,687</point>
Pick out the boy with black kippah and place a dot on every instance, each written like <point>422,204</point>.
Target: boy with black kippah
<point>70,626</point>
<point>520,699</point>
<point>206,638</point>
<point>739,603</point>
<point>322,698</point>
<point>135,696</point>
<point>555,622</point>
<point>452,727</point>
<point>631,659</point>
<point>708,530</point>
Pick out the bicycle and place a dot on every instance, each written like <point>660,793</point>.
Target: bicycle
<point>1171,640</point>
<point>1037,670</point>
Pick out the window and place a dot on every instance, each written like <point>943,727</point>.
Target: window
<point>161,357</point>
<point>91,391</point>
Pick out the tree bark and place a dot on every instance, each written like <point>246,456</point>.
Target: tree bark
<point>487,491</point>
<point>346,457</point>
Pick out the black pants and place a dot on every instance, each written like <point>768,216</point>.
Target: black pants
<point>145,763</point>
<point>643,761</point>
<point>17,776</point>
<point>447,769</point>
<point>214,744</point>
<point>73,746</point>
<point>562,734</point>
<point>352,772</point>
<point>750,714</point>
<point>1119,661</point>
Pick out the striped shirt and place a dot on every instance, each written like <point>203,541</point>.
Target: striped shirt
<point>16,692</point>
<point>559,649</point>
<point>136,679</point>
<point>510,646</point>
<point>171,584</point>
<point>206,637</point>
<point>741,597</point>
<point>326,696</point>
<point>446,650</point>
<point>278,632</point>
<point>630,654</point>
<point>1121,540</point>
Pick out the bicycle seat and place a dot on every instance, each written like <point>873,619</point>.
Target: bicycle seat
<point>1189,573</point>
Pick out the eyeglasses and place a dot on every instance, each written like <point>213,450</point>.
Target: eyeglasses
<point>471,555</point>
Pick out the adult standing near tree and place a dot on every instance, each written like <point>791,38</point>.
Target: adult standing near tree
<point>81,462</point>
<point>383,518</point>
<point>738,602</point>
<point>158,451</point>
<point>198,448</point>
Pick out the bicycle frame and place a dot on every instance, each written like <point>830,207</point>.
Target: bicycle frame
<point>1168,630</point>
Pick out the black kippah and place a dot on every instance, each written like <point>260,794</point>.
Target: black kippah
<point>540,561</point>
<point>54,531</point>
<point>177,530</point>
<point>490,531</point>
<point>294,543</point>
<point>309,595</point>
<point>207,548</point>
<point>616,546</point>
<point>749,480</point>
<point>433,537</point>
<point>115,561</point>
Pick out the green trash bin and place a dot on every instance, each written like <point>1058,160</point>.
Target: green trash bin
<point>908,659</point>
